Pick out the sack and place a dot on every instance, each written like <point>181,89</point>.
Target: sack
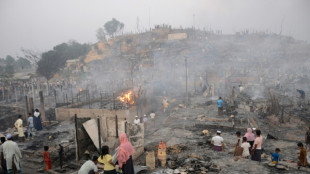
<point>150,160</point>
<point>238,151</point>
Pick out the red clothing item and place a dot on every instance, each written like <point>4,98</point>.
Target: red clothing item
<point>47,160</point>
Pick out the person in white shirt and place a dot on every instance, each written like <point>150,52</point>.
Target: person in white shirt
<point>218,142</point>
<point>246,148</point>
<point>137,120</point>
<point>241,88</point>
<point>11,151</point>
<point>19,126</point>
<point>89,167</point>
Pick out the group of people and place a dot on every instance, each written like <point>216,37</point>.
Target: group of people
<point>9,150</point>
<point>33,122</point>
<point>124,159</point>
<point>250,146</point>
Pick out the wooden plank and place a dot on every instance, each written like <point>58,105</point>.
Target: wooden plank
<point>91,128</point>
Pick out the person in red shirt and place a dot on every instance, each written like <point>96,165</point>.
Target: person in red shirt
<point>47,158</point>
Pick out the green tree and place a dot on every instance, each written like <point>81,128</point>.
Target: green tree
<point>10,60</point>
<point>32,56</point>
<point>23,63</point>
<point>54,60</point>
<point>112,27</point>
<point>100,34</point>
<point>9,69</point>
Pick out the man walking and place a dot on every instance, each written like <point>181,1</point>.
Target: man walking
<point>220,106</point>
<point>19,126</point>
<point>30,127</point>
<point>12,155</point>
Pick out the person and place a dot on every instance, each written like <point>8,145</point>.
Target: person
<point>166,106</point>
<point>37,120</point>
<point>137,120</point>
<point>19,126</point>
<point>250,137</point>
<point>89,167</point>
<point>241,88</point>
<point>302,159</point>
<point>162,108</point>
<point>47,158</point>
<point>30,126</point>
<point>245,148</point>
<point>302,93</point>
<point>275,157</point>
<point>307,139</point>
<point>124,156</point>
<point>60,152</point>
<point>3,162</point>
<point>239,141</point>
<point>145,121</point>
<point>106,159</point>
<point>238,149</point>
<point>220,106</point>
<point>257,149</point>
<point>218,142</point>
<point>12,155</point>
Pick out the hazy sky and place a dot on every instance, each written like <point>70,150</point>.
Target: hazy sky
<point>41,24</point>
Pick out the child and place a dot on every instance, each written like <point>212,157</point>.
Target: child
<point>238,149</point>
<point>246,148</point>
<point>47,158</point>
<point>239,141</point>
<point>275,156</point>
<point>302,159</point>
<point>106,159</point>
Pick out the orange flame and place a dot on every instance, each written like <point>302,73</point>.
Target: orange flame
<point>128,97</point>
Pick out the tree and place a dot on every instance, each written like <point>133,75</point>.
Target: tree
<point>9,70</point>
<point>54,60</point>
<point>100,34</point>
<point>32,56</point>
<point>112,27</point>
<point>10,60</point>
<point>48,65</point>
<point>23,63</point>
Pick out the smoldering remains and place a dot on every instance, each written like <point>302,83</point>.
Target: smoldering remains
<point>177,76</point>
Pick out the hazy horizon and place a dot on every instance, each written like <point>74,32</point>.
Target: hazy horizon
<point>39,25</point>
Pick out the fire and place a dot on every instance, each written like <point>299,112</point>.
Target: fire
<point>81,89</point>
<point>128,97</point>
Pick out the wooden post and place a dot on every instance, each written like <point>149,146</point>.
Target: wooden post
<point>89,101</point>
<point>31,106</point>
<point>26,106</point>
<point>32,86</point>
<point>99,133</point>
<point>67,99</point>
<point>42,106</point>
<point>63,94</point>
<point>15,94</point>
<point>116,126</point>
<point>77,151</point>
<point>101,105</point>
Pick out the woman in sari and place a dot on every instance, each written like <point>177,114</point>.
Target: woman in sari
<point>37,120</point>
<point>124,155</point>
